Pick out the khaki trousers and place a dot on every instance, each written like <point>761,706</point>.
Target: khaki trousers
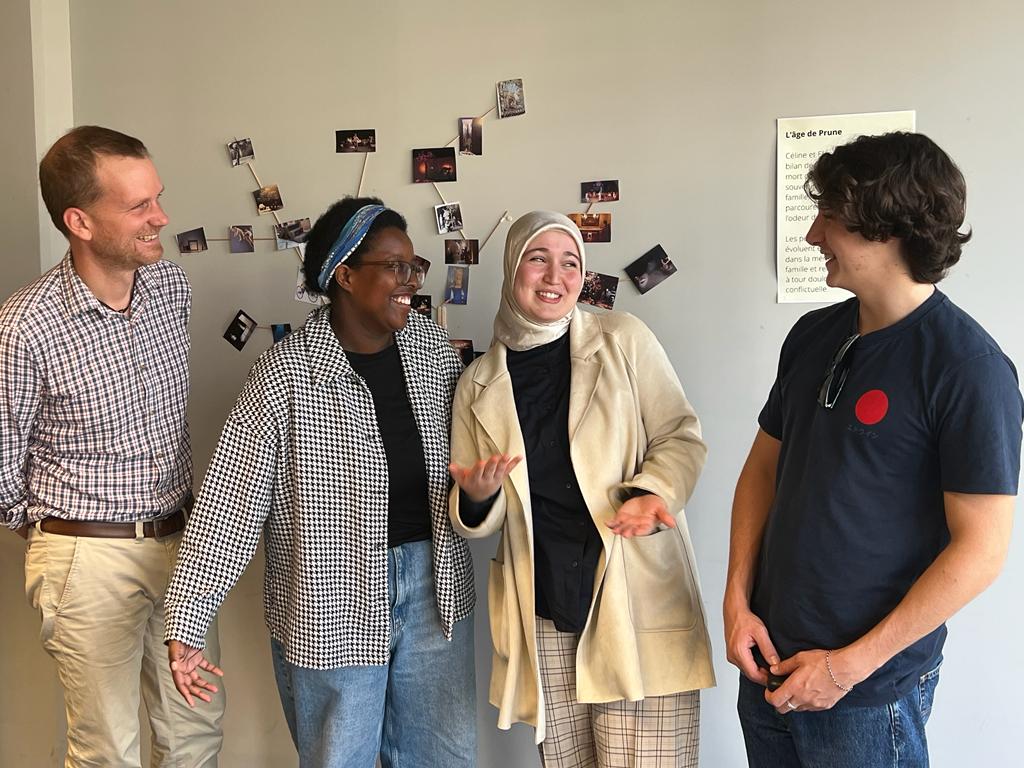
<point>101,602</point>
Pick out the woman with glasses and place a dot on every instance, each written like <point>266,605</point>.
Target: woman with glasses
<point>337,451</point>
<point>572,436</point>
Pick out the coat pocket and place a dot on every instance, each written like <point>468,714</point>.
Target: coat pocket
<point>497,609</point>
<point>662,590</point>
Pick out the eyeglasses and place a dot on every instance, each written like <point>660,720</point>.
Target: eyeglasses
<point>835,374</point>
<point>404,270</point>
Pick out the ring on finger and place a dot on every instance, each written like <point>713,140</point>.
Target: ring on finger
<point>791,705</point>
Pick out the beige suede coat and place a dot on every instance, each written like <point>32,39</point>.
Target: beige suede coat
<point>630,425</point>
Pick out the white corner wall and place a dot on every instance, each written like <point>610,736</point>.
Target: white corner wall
<point>677,99</point>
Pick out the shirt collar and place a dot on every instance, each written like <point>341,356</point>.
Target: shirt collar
<point>81,300</point>
<point>327,358</point>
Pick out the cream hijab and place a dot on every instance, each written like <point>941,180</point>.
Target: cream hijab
<point>511,325</point>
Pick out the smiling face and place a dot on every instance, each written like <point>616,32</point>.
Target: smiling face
<point>549,277</point>
<point>852,261</point>
<point>121,230</point>
<point>378,303</point>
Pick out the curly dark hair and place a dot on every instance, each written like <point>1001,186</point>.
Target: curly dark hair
<point>328,227</point>
<point>896,185</point>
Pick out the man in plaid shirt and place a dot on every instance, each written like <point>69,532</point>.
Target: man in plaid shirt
<point>95,463</point>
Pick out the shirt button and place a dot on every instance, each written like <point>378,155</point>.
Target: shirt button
<point>158,455</point>
<point>551,444</point>
<point>575,563</point>
<point>568,486</point>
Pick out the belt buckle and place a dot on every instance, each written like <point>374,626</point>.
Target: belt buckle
<point>159,525</point>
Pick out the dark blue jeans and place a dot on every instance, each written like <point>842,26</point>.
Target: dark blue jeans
<point>886,736</point>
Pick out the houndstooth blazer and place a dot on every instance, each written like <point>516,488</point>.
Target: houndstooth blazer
<point>301,459</point>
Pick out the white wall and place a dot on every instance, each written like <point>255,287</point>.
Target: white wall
<point>675,98</point>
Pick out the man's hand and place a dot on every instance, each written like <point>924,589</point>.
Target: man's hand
<point>185,665</point>
<point>640,516</point>
<point>809,687</point>
<point>483,479</point>
<point>743,631</point>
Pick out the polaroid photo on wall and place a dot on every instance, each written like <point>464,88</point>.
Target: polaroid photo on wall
<point>449,218</point>
<point>456,286</point>
<point>421,303</point>
<point>240,330</point>
<point>240,152</point>
<point>192,241</point>
<point>511,98</point>
<point>599,290</point>
<point>433,165</point>
<point>465,349</point>
<point>363,140</point>
<point>268,199</point>
<point>595,227</point>
<point>461,251</point>
<point>291,234</point>
<point>302,293</point>
<point>651,269</point>
<point>280,330</point>
<point>599,191</point>
<point>471,136</point>
<point>240,238</point>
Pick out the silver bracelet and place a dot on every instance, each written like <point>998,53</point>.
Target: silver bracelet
<point>828,665</point>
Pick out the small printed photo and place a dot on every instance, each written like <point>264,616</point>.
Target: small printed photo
<point>291,234</point>
<point>461,251</point>
<point>471,136</point>
<point>240,330</point>
<point>364,140</point>
<point>511,99</point>
<point>433,165</point>
<point>268,199</point>
<point>465,349</point>
<point>599,290</point>
<point>240,238</point>
<point>423,264</point>
<point>421,303</point>
<point>192,241</point>
<point>280,330</point>
<point>240,151</point>
<point>302,293</point>
<point>599,191</point>
<point>456,287</point>
<point>449,218</point>
<point>595,227</point>
<point>650,269</point>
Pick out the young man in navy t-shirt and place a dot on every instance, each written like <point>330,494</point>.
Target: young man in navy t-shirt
<point>878,496</point>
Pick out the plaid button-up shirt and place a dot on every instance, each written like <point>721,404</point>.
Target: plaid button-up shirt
<point>92,401</point>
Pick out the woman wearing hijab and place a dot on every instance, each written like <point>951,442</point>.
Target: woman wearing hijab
<point>337,451</point>
<point>596,618</point>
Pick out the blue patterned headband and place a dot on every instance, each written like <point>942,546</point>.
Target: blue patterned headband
<point>352,234</point>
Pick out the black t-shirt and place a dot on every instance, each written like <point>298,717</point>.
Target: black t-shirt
<point>929,405</point>
<point>408,507</point>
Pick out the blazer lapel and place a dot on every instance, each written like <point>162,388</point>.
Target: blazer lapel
<point>584,341</point>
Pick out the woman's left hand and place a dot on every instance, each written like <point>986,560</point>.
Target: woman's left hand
<point>640,516</point>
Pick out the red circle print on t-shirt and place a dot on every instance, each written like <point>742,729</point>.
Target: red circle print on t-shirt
<point>872,407</point>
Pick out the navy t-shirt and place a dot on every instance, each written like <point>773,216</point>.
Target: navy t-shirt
<point>929,405</point>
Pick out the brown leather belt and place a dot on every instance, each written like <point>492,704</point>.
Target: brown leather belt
<point>164,526</point>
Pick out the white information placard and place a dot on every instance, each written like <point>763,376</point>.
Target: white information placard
<point>801,140</point>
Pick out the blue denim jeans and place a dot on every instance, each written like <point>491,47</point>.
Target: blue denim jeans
<point>418,711</point>
<point>886,736</point>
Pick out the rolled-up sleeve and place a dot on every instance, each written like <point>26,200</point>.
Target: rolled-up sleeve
<point>20,387</point>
